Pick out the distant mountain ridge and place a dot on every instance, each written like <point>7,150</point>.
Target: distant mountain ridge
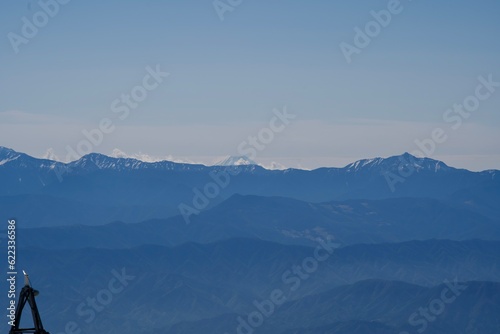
<point>283,220</point>
<point>101,161</point>
<point>393,163</point>
<point>131,190</point>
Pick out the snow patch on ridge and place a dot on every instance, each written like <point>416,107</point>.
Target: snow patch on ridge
<point>240,160</point>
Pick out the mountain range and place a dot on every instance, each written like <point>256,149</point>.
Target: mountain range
<point>196,288</point>
<point>385,245</point>
<point>97,189</point>
<point>286,221</point>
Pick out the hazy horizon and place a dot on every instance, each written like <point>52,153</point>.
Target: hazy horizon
<point>266,162</point>
<point>228,71</point>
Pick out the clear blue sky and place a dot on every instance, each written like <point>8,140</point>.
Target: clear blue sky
<point>227,76</point>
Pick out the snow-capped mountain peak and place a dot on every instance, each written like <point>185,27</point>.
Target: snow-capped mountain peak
<point>8,155</point>
<point>240,160</point>
<point>398,162</point>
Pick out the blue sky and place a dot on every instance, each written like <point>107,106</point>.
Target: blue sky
<point>226,77</point>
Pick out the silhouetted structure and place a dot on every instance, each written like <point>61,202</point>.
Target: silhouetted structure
<point>27,294</point>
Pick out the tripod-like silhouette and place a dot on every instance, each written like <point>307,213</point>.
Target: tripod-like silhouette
<point>28,294</point>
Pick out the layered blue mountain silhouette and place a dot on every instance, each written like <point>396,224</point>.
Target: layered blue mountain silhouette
<point>98,189</point>
<point>384,245</point>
